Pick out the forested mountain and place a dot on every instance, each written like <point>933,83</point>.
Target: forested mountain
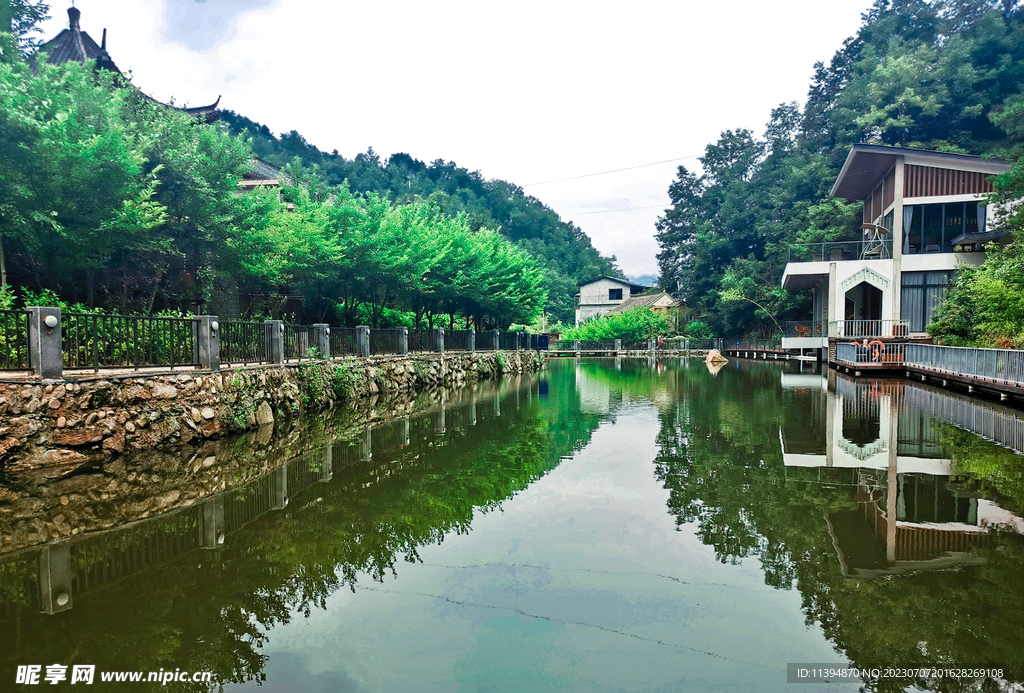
<point>561,247</point>
<point>937,74</point>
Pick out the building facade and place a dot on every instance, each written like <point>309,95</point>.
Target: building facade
<point>599,296</point>
<point>923,215</point>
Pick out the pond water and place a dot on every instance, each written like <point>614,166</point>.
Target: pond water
<point>604,525</point>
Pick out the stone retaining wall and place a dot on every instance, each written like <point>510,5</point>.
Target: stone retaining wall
<point>52,430</point>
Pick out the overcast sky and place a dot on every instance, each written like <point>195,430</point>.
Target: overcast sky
<point>527,91</point>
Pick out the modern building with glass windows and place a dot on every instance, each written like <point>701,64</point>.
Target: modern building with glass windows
<point>923,216</point>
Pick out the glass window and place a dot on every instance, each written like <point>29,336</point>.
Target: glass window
<point>931,233</point>
<point>971,218</point>
<point>922,293</point>
<point>614,294</point>
<point>912,234</point>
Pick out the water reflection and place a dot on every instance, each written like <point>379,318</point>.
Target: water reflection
<point>518,539</point>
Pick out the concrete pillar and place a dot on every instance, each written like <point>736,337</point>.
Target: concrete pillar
<point>279,486</point>
<point>213,528</point>
<point>403,430</point>
<point>437,420</point>
<point>275,340</point>
<point>651,344</point>
<point>618,344</point>
<point>496,405</point>
<point>890,506</point>
<point>44,350</point>
<point>403,341</point>
<point>363,341</point>
<point>322,339</point>
<point>472,340</point>
<point>472,413</point>
<point>55,578</point>
<point>576,345</point>
<point>897,239</point>
<point>208,339</point>
<point>496,336</point>
<point>835,312</point>
<point>437,340</point>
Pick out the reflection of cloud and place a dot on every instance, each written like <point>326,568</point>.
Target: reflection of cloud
<point>286,673</point>
<point>202,25</point>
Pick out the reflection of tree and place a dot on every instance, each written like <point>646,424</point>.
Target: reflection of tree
<point>721,461</point>
<point>211,610</point>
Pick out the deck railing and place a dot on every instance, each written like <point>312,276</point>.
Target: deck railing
<point>881,329</point>
<point>14,340</point>
<point>1003,365</point>
<point>840,250</point>
<point>753,344</point>
<point>126,341</point>
<point>876,354</point>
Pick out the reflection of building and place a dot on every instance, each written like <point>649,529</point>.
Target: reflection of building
<point>913,511</point>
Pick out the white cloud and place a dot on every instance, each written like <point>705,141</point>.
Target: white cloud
<point>525,92</point>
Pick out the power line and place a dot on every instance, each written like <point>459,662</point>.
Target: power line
<point>617,170</point>
<point>606,211</point>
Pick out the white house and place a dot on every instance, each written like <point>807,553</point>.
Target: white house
<point>598,296</point>
<point>921,220</point>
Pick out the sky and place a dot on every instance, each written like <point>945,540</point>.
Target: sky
<point>528,92</point>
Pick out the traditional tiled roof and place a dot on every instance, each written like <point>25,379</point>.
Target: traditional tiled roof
<point>73,44</point>
<point>642,301</point>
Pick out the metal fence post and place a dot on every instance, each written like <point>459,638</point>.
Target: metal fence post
<point>437,340</point>
<point>44,346</point>
<point>275,340</point>
<point>363,341</point>
<point>472,340</point>
<point>322,339</point>
<point>209,342</point>
<point>496,336</point>
<point>403,341</point>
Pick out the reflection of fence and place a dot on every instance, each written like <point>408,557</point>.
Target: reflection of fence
<point>14,336</point>
<point>118,341</point>
<point>1001,426</point>
<point>245,342</point>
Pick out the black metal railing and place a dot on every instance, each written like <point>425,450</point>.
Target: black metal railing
<point>597,344</point>
<point>634,344</point>
<point>245,342</point>
<point>509,341</point>
<point>753,344</point>
<point>298,341</point>
<point>14,340</point>
<point>419,340</point>
<point>386,341</point>
<point>343,341</point>
<point>123,341</point>
<point>485,341</point>
<point>840,251</point>
<point>457,340</point>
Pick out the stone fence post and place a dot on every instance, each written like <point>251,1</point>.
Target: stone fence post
<point>496,336</point>
<point>472,340</point>
<point>403,341</point>
<point>363,341</point>
<point>617,345</point>
<point>44,352</point>
<point>275,340</point>
<point>322,339</point>
<point>575,345</point>
<point>55,575</point>
<point>437,340</point>
<point>650,345</point>
<point>208,339</point>
<point>213,530</point>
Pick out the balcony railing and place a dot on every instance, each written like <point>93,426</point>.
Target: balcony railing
<point>876,354</point>
<point>995,364</point>
<point>881,329</point>
<point>803,328</point>
<point>840,251</point>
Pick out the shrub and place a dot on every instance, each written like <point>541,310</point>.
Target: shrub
<point>636,323</point>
